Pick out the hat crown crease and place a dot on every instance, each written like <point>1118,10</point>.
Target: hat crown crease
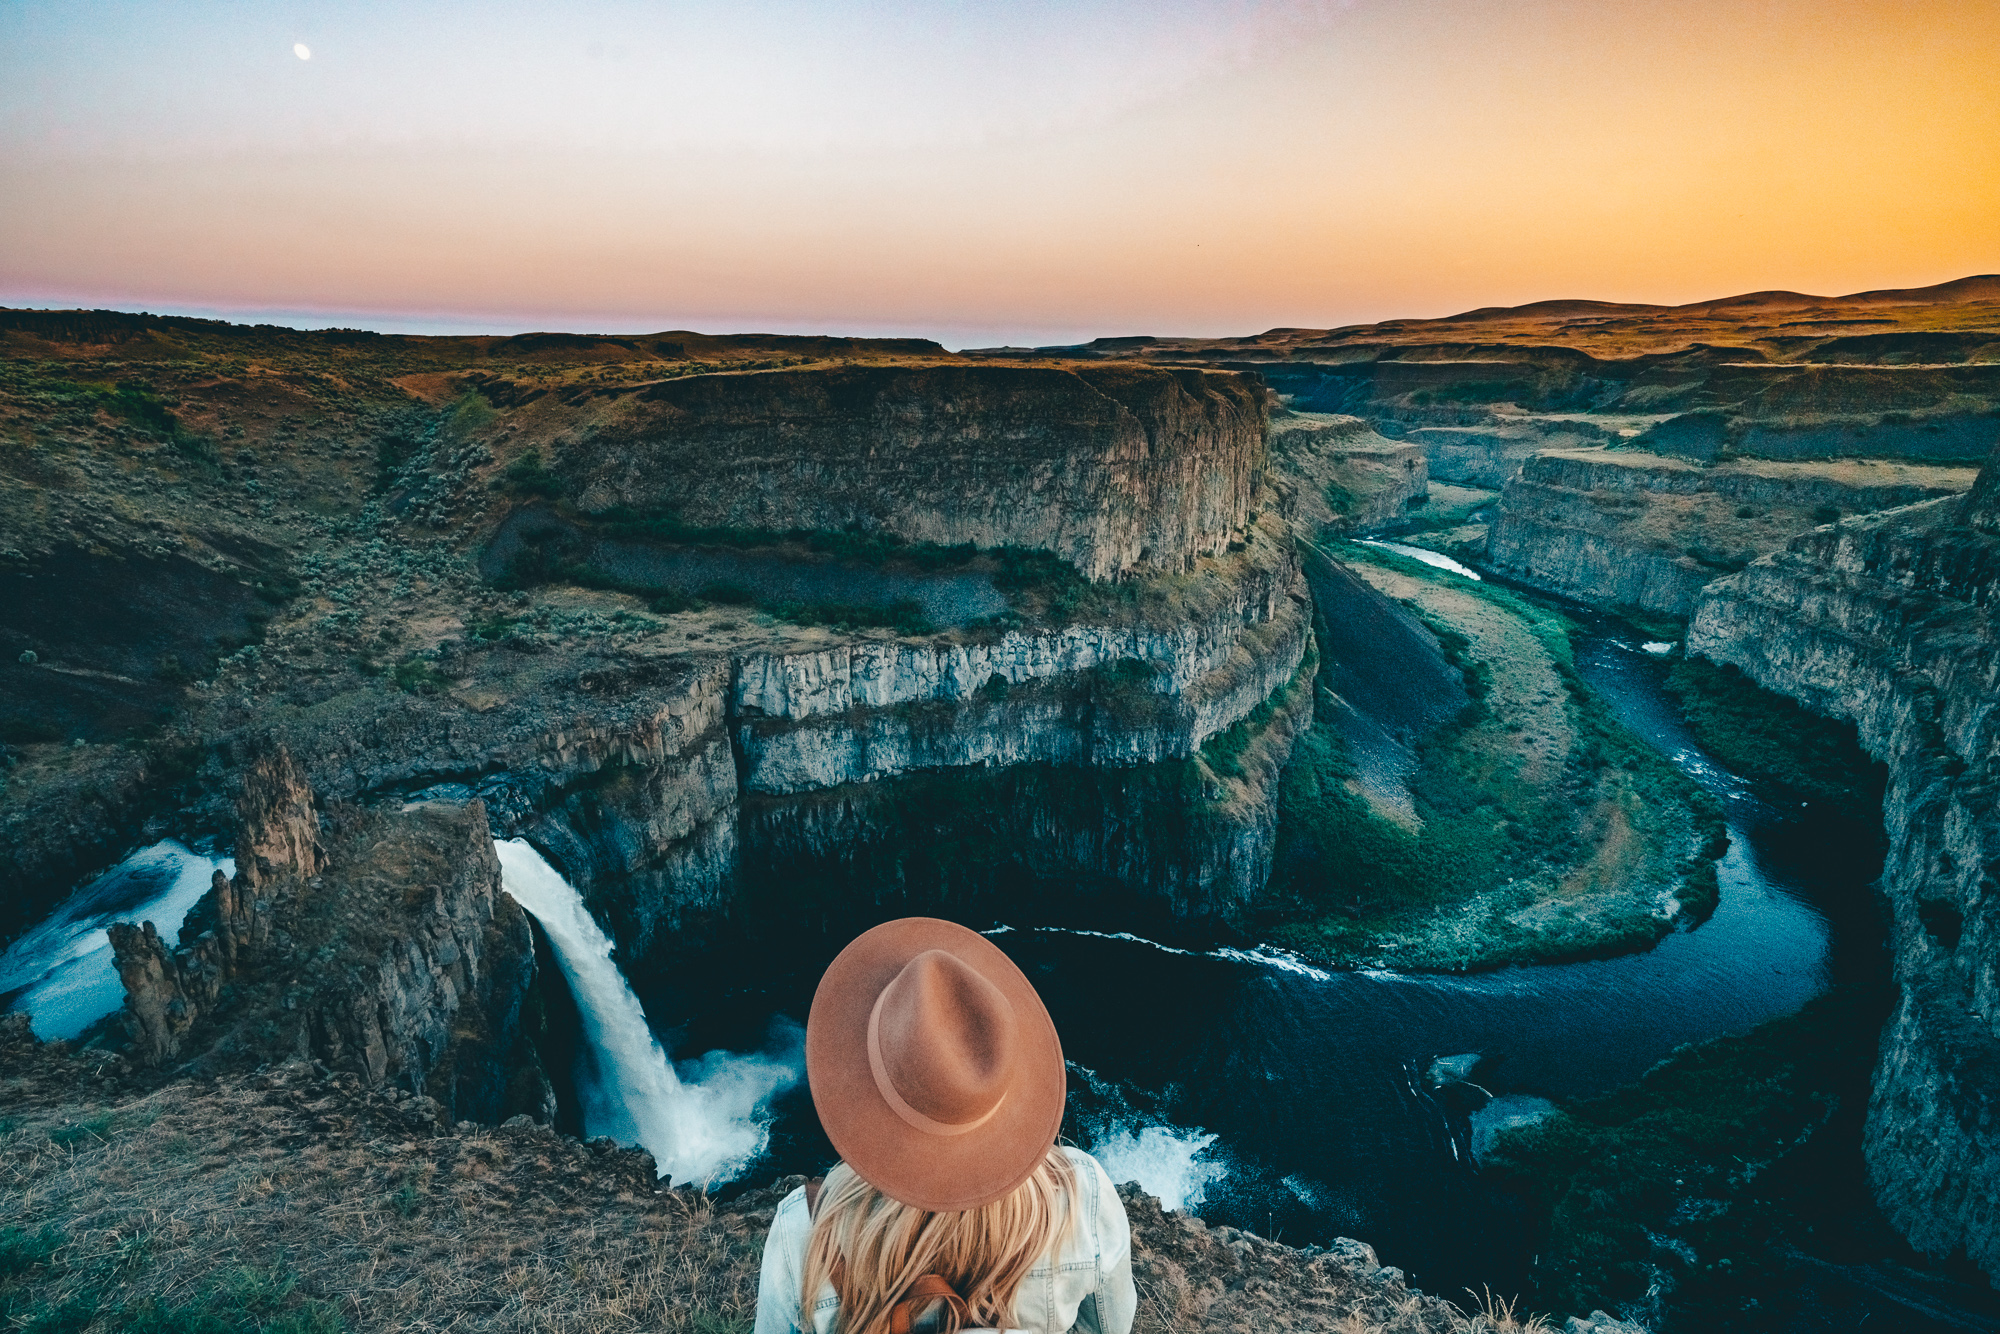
<point>941,1044</point>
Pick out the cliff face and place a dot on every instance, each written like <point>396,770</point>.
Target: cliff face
<point>377,942</point>
<point>1640,530</point>
<point>1888,621</point>
<point>1341,477</point>
<point>1118,469</point>
<point>661,779</point>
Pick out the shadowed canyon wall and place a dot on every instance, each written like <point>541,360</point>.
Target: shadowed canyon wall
<point>1117,469</point>
<point>1888,620</point>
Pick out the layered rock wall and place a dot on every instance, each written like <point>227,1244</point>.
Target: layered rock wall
<point>380,944</point>
<point>1642,531</point>
<point>1341,477</point>
<point>636,768</point>
<point>1889,621</point>
<point>1118,469</point>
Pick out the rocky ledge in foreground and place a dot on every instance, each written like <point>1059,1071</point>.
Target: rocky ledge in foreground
<point>301,1195</point>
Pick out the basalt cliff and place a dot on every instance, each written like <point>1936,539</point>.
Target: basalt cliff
<point>703,619</point>
<point>1888,620</point>
<point>370,941</point>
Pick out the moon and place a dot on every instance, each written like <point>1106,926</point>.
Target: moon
<point>302,51</point>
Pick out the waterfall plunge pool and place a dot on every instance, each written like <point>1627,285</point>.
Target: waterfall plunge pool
<point>1244,1084</point>
<point>1264,1092</point>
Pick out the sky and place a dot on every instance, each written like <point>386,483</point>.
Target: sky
<point>1031,171</point>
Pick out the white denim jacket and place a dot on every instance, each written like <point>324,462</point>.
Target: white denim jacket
<point>1085,1285</point>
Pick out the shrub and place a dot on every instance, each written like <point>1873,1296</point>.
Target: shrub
<point>527,476</point>
<point>393,453</point>
<point>493,629</point>
<point>417,677</point>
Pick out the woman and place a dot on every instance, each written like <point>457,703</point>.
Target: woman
<point>937,1074</point>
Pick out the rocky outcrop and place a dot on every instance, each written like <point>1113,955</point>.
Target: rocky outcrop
<point>1117,469</point>
<point>1338,476</point>
<point>636,767</point>
<point>1643,531</point>
<point>1093,695</point>
<point>1491,452</point>
<point>373,941</point>
<point>665,1253</point>
<point>1889,621</point>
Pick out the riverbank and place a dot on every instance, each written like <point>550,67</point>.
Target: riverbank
<point>1530,828</point>
<point>1773,740</point>
<point>1723,1191</point>
<point>291,1202</point>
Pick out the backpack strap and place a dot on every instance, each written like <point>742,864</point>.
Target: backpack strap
<point>930,1288</point>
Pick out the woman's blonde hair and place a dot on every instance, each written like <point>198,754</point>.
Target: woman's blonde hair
<point>873,1249</point>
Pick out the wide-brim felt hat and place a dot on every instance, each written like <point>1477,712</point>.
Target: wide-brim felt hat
<point>934,1065</point>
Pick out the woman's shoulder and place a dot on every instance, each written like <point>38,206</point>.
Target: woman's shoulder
<point>1089,1171</point>
<point>793,1217</point>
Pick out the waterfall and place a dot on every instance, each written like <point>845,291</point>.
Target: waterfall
<point>61,971</point>
<point>706,1123</point>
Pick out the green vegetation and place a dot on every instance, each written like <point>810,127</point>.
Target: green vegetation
<point>470,413</point>
<point>1514,861</point>
<point>129,400</point>
<point>1770,739</point>
<point>1223,753</point>
<point>248,1301</point>
<point>1706,1171</point>
<point>528,476</point>
<point>416,676</point>
<point>1652,624</point>
<point>493,629</point>
<point>22,1251</point>
<point>393,452</point>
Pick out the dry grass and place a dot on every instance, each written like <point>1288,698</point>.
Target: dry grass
<point>291,1203</point>
<point>1524,687</point>
<point>174,1196</point>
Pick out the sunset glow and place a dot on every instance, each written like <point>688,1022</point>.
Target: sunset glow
<point>1034,172</point>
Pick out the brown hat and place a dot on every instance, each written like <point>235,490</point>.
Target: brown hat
<point>934,1065</point>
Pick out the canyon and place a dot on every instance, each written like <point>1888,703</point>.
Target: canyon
<point>760,636</point>
<point>1886,620</point>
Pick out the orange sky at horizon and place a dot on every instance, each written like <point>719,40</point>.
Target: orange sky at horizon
<point>1192,168</point>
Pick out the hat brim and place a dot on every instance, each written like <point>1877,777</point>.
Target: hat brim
<point>942,1173</point>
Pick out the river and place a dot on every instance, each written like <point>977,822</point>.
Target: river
<point>1251,1088</point>
<point>1295,1101</point>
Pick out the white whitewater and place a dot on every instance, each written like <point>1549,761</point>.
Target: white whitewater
<point>1167,1161</point>
<point>62,970</point>
<point>706,1123</point>
<point>1176,1164</point>
<point>1435,559</point>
